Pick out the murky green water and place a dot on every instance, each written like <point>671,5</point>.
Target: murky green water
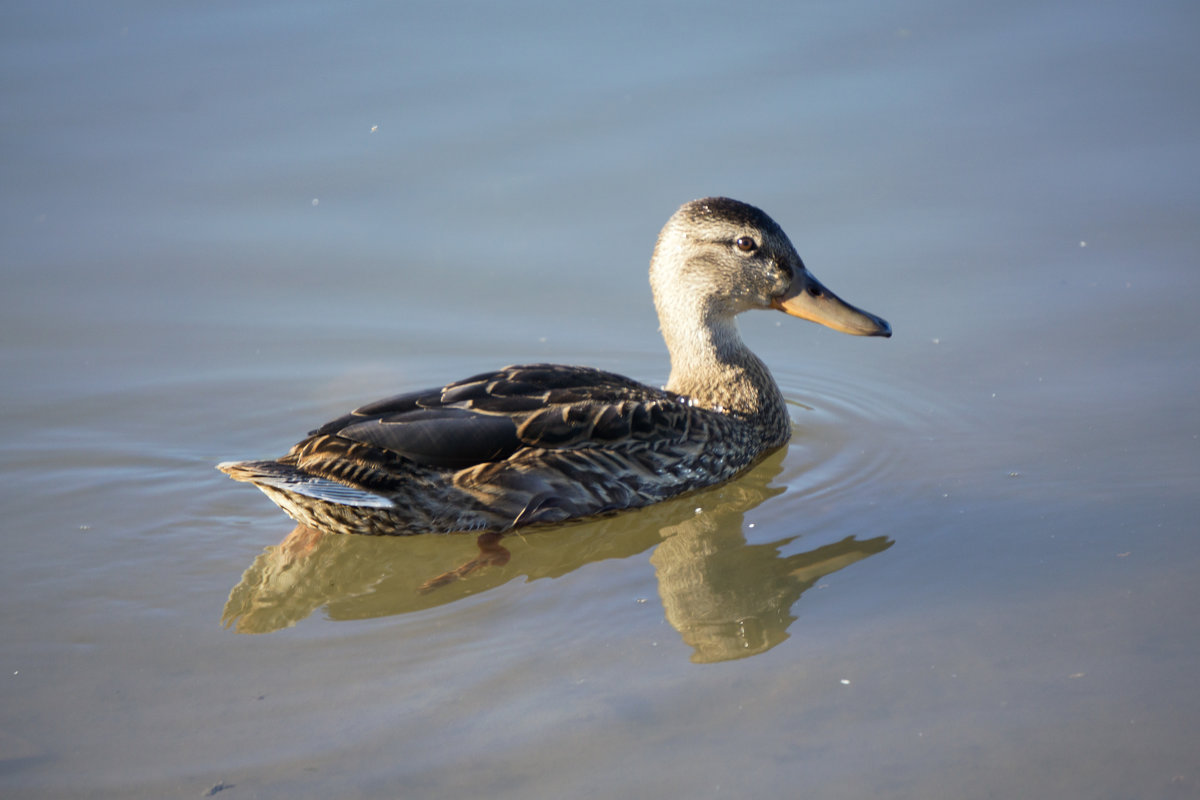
<point>971,573</point>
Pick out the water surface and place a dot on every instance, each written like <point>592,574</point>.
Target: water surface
<point>971,573</point>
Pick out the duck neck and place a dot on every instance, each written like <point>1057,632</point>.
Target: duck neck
<point>711,365</point>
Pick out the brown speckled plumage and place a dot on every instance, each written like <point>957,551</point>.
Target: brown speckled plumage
<point>546,443</point>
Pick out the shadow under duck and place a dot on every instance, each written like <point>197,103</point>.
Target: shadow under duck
<point>545,443</point>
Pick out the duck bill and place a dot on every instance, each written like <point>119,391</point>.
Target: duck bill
<point>810,300</point>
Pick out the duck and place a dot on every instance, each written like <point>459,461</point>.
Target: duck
<point>540,444</point>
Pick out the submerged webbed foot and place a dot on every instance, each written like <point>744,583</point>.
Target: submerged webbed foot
<point>491,554</point>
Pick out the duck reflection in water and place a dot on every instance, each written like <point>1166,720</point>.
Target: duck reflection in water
<point>727,598</point>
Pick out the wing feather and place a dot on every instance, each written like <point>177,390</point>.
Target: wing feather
<point>492,416</point>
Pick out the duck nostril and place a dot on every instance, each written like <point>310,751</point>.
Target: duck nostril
<point>813,290</point>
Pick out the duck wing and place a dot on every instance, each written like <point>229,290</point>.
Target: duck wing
<point>491,416</point>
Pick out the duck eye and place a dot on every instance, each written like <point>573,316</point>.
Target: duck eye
<point>745,244</point>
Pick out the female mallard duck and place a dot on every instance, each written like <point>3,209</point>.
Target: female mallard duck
<point>546,443</point>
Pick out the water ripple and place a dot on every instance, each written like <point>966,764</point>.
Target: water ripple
<point>851,442</point>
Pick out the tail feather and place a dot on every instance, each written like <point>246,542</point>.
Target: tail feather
<point>288,478</point>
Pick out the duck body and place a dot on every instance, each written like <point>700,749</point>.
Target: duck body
<point>546,443</point>
<point>524,444</point>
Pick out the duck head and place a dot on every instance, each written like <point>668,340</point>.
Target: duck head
<point>718,257</point>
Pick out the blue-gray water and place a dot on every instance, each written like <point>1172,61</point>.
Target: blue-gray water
<point>971,574</point>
